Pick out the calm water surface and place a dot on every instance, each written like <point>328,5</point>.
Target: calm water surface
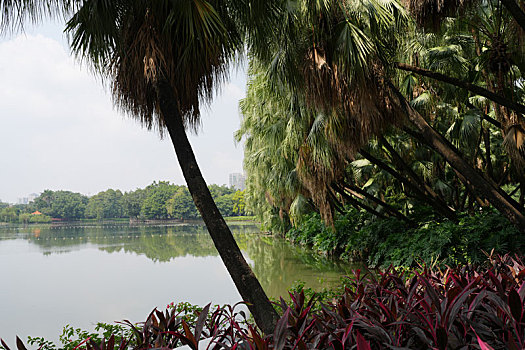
<point>51,276</point>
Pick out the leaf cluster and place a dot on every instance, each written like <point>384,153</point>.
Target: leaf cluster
<point>359,236</point>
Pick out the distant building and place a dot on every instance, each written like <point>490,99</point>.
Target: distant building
<point>28,199</point>
<point>238,181</point>
<point>33,196</point>
<point>23,200</point>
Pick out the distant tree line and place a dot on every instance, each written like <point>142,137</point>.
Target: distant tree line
<point>160,200</point>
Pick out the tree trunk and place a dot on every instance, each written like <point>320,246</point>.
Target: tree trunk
<point>357,204</point>
<point>478,90</point>
<point>419,192</point>
<point>378,201</point>
<point>486,136</point>
<point>479,184</point>
<point>241,273</point>
<point>400,162</point>
<point>515,11</point>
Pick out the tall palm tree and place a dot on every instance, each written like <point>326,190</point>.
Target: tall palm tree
<point>163,59</point>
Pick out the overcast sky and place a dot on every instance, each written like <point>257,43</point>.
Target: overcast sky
<point>59,130</point>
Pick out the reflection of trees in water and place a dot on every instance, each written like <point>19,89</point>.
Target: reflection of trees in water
<point>163,248</point>
<point>276,263</point>
<point>158,243</point>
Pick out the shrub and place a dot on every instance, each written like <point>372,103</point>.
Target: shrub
<point>380,242</point>
<point>464,308</point>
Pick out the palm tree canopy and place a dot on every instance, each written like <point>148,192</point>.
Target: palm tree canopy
<point>189,43</point>
<point>14,13</point>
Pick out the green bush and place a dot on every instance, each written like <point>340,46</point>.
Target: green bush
<point>40,219</point>
<point>358,235</point>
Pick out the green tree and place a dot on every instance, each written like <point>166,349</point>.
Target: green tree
<point>154,205</point>
<point>68,205</point>
<point>132,202</point>
<point>8,214</point>
<point>225,204</point>
<point>181,206</point>
<point>43,202</point>
<point>106,204</point>
<point>238,203</point>
<point>61,204</point>
<point>217,191</point>
<point>339,68</point>
<point>24,218</point>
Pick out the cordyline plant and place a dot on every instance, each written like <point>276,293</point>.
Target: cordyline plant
<point>458,308</point>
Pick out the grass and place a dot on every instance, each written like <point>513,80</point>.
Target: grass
<point>239,218</point>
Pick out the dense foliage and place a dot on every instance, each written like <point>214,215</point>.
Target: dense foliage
<point>457,308</point>
<point>347,89</point>
<point>160,200</point>
<point>359,235</point>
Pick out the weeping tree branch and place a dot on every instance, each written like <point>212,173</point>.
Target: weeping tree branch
<point>480,183</point>
<point>335,202</point>
<point>478,90</point>
<point>485,116</point>
<point>418,136</point>
<point>415,178</point>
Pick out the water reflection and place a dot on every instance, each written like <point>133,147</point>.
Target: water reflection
<point>82,274</point>
<point>275,262</point>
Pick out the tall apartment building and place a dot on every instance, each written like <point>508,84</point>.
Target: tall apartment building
<point>237,181</point>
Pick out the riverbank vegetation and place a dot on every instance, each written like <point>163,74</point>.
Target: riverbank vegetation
<point>158,201</point>
<point>359,236</point>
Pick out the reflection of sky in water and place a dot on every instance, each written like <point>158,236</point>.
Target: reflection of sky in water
<point>51,277</point>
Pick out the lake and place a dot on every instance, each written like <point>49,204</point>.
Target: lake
<point>53,275</point>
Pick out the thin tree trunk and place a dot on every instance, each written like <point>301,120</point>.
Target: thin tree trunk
<point>485,116</point>
<point>486,136</point>
<point>480,184</point>
<point>418,192</point>
<point>357,204</point>
<point>419,136</point>
<point>336,204</point>
<point>482,202</point>
<point>380,202</point>
<point>396,158</point>
<point>247,284</point>
<point>515,11</point>
<point>478,90</point>
<point>522,192</point>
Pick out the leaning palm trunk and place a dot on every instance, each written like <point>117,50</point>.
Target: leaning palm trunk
<point>484,187</point>
<point>247,284</point>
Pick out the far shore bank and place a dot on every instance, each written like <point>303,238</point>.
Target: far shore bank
<point>134,221</point>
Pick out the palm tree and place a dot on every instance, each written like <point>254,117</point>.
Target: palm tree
<point>162,59</point>
<point>336,55</point>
